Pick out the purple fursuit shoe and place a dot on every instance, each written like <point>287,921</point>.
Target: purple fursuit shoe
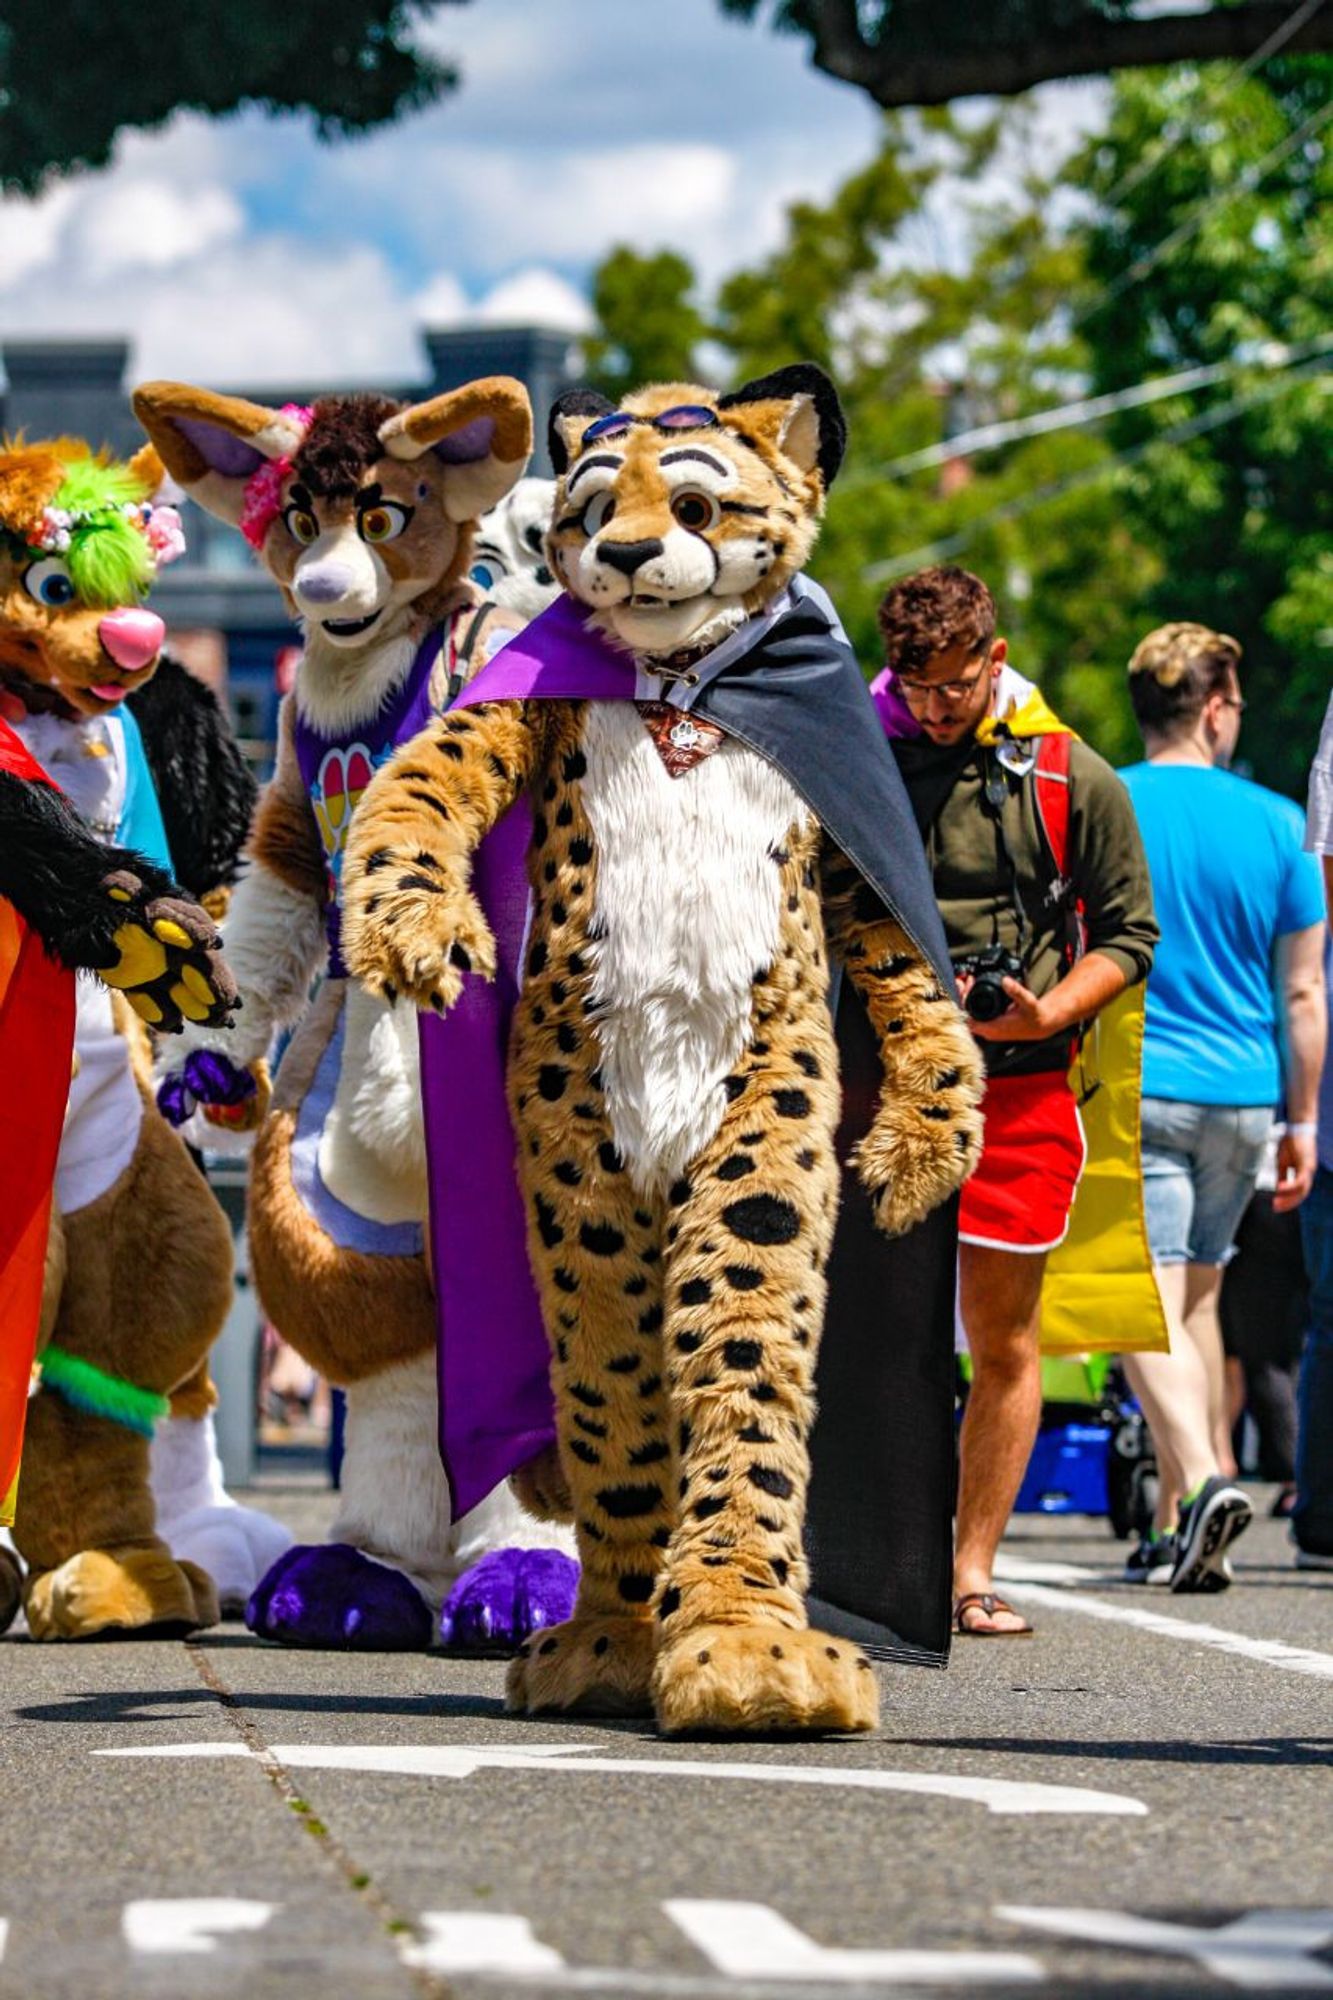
<point>335,1598</point>
<point>506,1597</point>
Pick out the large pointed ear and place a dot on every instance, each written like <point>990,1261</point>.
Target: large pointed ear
<point>482,433</point>
<point>797,410</point>
<point>30,475</point>
<point>148,469</point>
<point>571,415</point>
<point>213,445</point>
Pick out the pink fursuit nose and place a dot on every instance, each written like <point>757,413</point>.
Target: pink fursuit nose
<point>132,638</point>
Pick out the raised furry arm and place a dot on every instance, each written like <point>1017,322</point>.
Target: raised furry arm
<point>926,1136</point>
<point>410,922</point>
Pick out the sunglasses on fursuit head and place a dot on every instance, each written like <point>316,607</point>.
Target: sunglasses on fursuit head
<point>687,417</point>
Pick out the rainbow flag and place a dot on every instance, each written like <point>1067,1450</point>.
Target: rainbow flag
<point>36,1049</point>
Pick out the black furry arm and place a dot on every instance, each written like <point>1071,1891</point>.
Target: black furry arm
<point>107,910</point>
<point>204,786</point>
<point>53,870</point>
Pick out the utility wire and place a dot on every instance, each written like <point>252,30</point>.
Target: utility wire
<point>1009,510</point>
<point>1076,416</point>
<point>1244,183</point>
<point>1149,164</point>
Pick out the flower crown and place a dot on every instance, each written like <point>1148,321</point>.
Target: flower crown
<point>263,489</point>
<point>161,527</point>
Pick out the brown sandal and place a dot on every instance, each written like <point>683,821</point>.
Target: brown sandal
<point>988,1603</point>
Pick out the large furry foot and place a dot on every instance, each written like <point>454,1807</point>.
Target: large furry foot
<point>336,1598</point>
<point>135,1590</point>
<point>236,1545</point>
<point>589,1666</point>
<point>508,1595</point>
<point>734,1679</point>
<point>913,1158</point>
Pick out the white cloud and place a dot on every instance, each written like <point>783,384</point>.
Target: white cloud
<point>124,225</point>
<point>536,297</point>
<point>442,302</point>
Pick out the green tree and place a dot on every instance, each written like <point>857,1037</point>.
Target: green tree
<point>1241,512</point>
<point>74,74</point>
<point>648,322</point>
<point>909,52</point>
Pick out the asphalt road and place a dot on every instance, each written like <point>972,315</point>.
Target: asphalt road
<point>1138,1800</point>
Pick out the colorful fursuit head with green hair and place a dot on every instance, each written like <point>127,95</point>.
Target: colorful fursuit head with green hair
<point>106,531</point>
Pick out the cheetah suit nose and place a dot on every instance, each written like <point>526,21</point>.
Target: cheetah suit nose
<point>628,556</point>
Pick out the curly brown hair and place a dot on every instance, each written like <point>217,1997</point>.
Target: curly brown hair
<point>931,612</point>
<point>1173,672</point>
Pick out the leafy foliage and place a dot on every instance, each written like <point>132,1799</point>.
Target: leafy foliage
<point>73,75</point>
<point>960,280</point>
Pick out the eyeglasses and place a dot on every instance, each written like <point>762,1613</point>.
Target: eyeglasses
<point>687,417</point>
<point>948,691</point>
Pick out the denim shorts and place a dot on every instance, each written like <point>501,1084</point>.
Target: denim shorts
<point>1200,1166</point>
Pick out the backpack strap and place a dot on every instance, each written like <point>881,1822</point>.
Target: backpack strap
<point>1050,791</point>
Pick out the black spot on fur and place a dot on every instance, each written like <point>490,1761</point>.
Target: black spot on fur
<point>635,1589</point>
<point>568,1173</point>
<point>580,851</point>
<point>547,1227</point>
<point>599,1646</point>
<point>742,1353</point>
<point>754,1434</point>
<point>624,1364</point>
<point>609,1155</point>
<point>769,1480</point>
<point>559,914</point>
<point>650,1454</point>
<point>590,1425</point>
<point>591,1399</point>
<point>565,816</point>
<point>712,1503</point>
<point>536,959</point>
<point>743,1277</point>
<point>939,1112</point>
<point>736,1167</point>
<point>791,1103</point>
<point>689,1343</point>
<point>806,1158</point>
<point>679,1192</point>
<point>603,1239</point>
<point>565,1280</point>
<point>567,1039</point>
<point>574,766</point>
<point>807,1062</point>
<point>670,1602</point>
<point>685,1435</point>
<point>636,1286</point>
<point>763,1218</point>
<point>649,1387</point>
<point>734,1085</point>
<point>584,1452</point>
<point>650,1319</point>
<point>539,829</point>
<point>695,1292</point>
<point>448,748</point>
<point>551,1081</point>
<point>627,1503</point>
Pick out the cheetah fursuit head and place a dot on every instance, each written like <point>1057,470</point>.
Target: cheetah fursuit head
<point>673,1070</point>
<point>363,511</point>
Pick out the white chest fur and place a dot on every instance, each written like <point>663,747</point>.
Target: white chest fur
<point>689,909</point>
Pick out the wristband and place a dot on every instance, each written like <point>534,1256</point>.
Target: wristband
<point>1306,1129</point>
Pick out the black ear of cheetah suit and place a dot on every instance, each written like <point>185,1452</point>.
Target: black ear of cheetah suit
<point>802,378</point>
<point>574,403</point>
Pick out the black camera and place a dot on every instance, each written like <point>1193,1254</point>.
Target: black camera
<point>986,998</point>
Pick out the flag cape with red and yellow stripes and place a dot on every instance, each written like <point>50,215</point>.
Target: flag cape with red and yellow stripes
<point>36,1049</point>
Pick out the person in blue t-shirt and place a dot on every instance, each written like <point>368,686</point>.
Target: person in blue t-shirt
<point>1312,1517</point>
<point>1235,1024</point>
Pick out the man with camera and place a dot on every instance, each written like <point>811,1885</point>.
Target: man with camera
<point>1042,883</point>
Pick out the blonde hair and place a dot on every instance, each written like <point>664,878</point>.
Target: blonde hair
<point>1175,670</point>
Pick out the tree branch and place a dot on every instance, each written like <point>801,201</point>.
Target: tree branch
<point>894,75</point>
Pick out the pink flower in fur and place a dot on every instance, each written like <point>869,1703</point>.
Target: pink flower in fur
<point>263,489</point>
<point>166,536</point>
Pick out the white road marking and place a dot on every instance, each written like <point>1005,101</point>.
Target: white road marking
<point>439,1760</point>
<point>1262,1951</point>
<point>1031,1583</point>
<point>184,1923</point>
<point>477,1941</point>
<point>751,1941</point>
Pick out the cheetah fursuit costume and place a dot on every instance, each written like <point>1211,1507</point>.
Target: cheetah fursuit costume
<point>674,1078</point>
<point>363,511</point>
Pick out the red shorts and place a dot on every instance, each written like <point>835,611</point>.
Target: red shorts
<point>1020,1196</point>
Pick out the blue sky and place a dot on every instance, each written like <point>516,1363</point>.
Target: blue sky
<point>245,252</point>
